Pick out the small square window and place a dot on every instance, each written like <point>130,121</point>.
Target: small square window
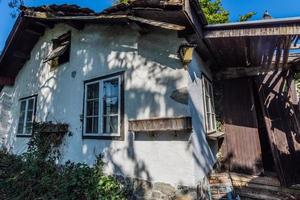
<point>26,116</point>
<point>60,53</point>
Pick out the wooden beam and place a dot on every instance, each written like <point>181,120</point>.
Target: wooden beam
<point>76,25</point>
<point>21,55</point>
<point>238,72</point>
<point>161,124</point>
<point>160,24</point>
<point>292,29</point>
<point>156,23</point>
<point>44,24</point>
<point>6,80</point>
<point>33,32</point>
<point>138,27</point>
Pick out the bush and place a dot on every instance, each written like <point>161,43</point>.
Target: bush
<point>35,175</point>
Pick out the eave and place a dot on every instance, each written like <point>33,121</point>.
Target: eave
<point>33,22</point>
<point>253,48</point>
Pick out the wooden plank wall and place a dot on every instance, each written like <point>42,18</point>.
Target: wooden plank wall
<point>242,150</point>
<point>282,124</point>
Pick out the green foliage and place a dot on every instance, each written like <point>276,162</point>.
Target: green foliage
<point>36,175</point>
<point>123,1</point>
<point>247,16</point>
<point>214,12</point>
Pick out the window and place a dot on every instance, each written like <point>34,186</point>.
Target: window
<point>60,53</point>
<point>26,116</point>
<point>102,107</point>
<point>210,115</point>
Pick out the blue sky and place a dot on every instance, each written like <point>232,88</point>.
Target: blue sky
<point>277,8</point>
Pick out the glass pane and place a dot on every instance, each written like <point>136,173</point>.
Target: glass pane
<point>89,125</point>
<point>212,105</point>
<point>29,116</point>
<point>30,104</point>
<point>111,88</point>
<point>213,122</point>
<point>28,129</point>
<point>110,105</point>
<point>96,107</point>
<point>21,122</point>
<point>206,87</point>
<point>93,91</point>
<point>95,125</point>
<point>20,127</point>
<point>208,121</point>
<point>210,89</point>
<point>89,109</point>
<point>110,124</point>
<point>23,106</point>
<point>207,104</point>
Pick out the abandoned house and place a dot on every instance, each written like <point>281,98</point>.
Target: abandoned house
<point>135,83</point>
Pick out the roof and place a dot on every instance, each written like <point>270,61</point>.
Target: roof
<point>254,47</point>
<point>33,21</point>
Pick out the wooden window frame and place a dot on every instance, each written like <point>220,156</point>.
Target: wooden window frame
<point>26,99</point>
<point>100,134</point>
<point>212,112</point>
<point>65,57</point>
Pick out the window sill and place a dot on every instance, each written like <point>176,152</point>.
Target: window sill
<point>211,132</point>
<point>103,137</point>
<point>23,136</point>
<point>215,135</point>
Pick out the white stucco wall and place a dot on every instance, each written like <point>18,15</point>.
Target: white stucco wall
<point>152,73</point>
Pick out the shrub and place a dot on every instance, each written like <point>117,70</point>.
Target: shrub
<point>35,174</point>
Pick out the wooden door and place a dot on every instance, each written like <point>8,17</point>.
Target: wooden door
<point>242,150</point>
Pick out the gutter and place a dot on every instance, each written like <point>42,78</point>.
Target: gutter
<point>255,23</point>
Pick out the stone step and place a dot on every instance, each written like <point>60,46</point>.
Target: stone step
<point>220,185</point>
<point>258,194</point>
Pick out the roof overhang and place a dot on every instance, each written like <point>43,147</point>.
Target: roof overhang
<point>253,48</point>
<point>32,22</point>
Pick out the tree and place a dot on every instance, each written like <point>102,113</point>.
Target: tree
<point>247,16</point>
<point>214,12</point>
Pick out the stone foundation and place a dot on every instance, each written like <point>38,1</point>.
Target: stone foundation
<point>145,190</point>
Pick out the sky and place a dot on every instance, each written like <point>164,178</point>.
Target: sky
<point>277,8</point>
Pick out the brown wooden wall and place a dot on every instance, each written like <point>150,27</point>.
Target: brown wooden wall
<point>242,149</point>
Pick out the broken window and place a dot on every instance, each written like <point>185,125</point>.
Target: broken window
<point>60,53</point>
<point>210,115</point>
<point>26,116</point>
<point>102,107</point>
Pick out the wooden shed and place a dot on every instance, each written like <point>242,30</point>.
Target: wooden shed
<point>255,64</point>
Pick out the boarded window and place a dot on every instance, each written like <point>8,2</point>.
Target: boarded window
<point>26,115</point>
<point>60,53</point>
<point>210,115</point>
<point>102,107</point>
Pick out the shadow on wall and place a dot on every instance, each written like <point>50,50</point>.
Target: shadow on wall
<point>276,94</point>
<point>143,59</point>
